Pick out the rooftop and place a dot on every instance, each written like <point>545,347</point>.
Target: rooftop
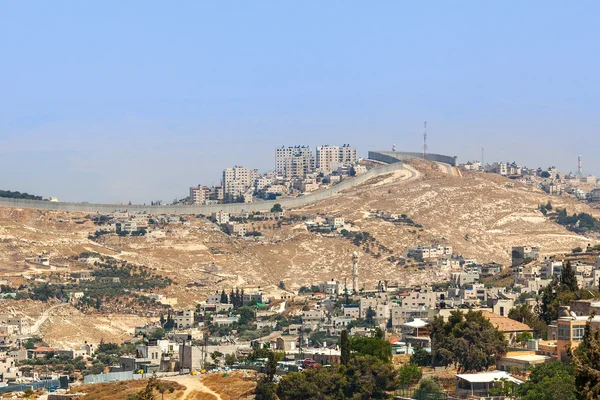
<point>488,377</point>
<point>505,324</point>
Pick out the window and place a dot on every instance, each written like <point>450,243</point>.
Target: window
<point>502,311</point>
<point>564,332</point>
<point>578,332</point>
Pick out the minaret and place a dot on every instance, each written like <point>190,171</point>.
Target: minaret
<point>355,272</point>
<point>579,166</point>
<point>394,147</point>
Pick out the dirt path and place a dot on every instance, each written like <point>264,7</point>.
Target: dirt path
<point>35,328</point>
<point>193,386</point>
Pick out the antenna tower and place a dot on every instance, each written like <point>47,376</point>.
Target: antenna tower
<point>425,141</point>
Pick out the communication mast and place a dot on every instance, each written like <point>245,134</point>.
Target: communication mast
<point>425,141</point>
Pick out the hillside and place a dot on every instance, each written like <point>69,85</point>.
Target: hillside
<point>480,215</point>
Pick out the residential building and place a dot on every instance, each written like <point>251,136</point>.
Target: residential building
<point>238,180</point>
<point>199,194</point>
<point>294,162</point>
<point>184,319</point>
<point>330,157</point>
<point>522,253</point>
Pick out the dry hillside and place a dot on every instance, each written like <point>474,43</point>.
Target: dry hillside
<point>480,215</point>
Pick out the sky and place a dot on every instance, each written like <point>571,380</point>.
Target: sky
<point>137,101</point>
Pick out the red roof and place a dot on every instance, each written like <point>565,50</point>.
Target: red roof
<point>43,350</point>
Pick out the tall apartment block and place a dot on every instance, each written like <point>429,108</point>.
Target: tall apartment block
<point>294,162</point>
<point>238,180</point>
<point>330,156</point>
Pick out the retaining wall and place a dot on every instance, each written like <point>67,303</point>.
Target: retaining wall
<point>206,209</point>
<point>397,156</point>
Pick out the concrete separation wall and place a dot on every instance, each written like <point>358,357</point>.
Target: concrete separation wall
<point>206,209</point>
<point>390,157</point>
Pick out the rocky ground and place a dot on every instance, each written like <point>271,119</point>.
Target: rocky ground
<point>479,215</point>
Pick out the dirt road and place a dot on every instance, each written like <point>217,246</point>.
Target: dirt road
<point>194,386</point>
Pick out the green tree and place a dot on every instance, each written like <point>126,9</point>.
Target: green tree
<point>586,360</point>
<point>420,357</point>
<point>430,385</point>
<point>524,337</point>
<point>468,340</point>
<point>345,348</point>
<point>375,346</point>
<point>277,208</point>
<point>549,381</point>
<point>568,278</point>
<point>525,314</point>
<point>409,374</point>
<point>224,299</point>
<point>370,316</point>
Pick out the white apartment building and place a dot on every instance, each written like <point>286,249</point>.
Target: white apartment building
<point>237,180</point>
<point>329,158</point>
<point>294,162</point>
<point>199,194</point>
<point>426,252</point>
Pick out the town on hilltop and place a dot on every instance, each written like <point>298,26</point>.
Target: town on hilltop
<point>229,301</point>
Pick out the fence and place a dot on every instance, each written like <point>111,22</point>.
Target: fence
<point>54,383</point>
<point>416,394</point>
<point>123,376</point>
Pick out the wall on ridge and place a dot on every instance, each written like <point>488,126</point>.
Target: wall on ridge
<point>206,209</point>
<point>396,156</point>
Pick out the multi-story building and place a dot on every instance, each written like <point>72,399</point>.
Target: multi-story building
<point>330,157</point>
<point>199,194</point>
<point>184,319</point>
<point>522,253</point>
<point>294,162</point>
<point>237,180</point>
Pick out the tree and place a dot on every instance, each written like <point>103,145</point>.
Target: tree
<point>586,360</point>
<point>545,174</point>
<point>524,337</point>
<point>548,309</point>
<point>409,374</point>
<point>281,285</point>
<point>345,348</point>
<point>524,314</point>
<point>352,172</point>
<point>549,381</point>
<point>420,357</point>
<point>224,299</point>
<point>468,340</point>
<point>265,388</point>
<point>276,208</point>
<point>163,388</point>
<point>216,355</point>
<point>430,385</point>
<point>568,278</point>
<point>376,347</point>
<point>370,316</point>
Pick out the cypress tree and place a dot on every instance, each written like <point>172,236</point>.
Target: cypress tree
<point>345,348</point>
<point>568,278</point>
<point>224,299</point>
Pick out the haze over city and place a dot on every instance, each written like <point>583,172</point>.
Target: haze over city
<point>136,102</point>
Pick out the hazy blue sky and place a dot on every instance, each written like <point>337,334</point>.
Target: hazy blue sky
<point>138,100</point>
